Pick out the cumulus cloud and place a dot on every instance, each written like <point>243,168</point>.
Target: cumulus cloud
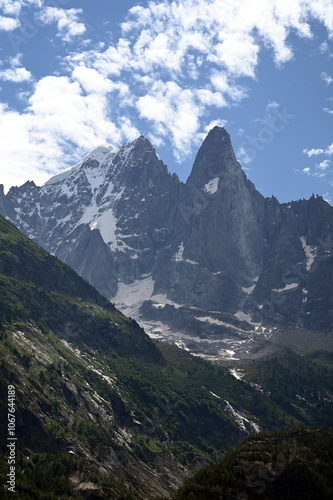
<point>174,62</point>
<point>64,110</point>
<point>324,164</point>
<point>8,23</point>
<point>168,102</point>
<point>23,149</point>
<point>66,20</point>
<point>91,80</point>
<point>313,152</point>
<point>16,73</point>
<point>13,7</point>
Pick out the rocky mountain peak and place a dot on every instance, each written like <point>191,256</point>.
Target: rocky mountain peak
<point>139,149</point>
<point>215,159</point>
<point>216,136</point>
<point>137,164</point>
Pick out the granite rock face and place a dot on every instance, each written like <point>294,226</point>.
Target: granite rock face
<point>212,250</point>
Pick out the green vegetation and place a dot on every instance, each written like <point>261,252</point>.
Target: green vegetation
<point>218,380</point>
<point>290,464</point>
<point>299,386</point>
<point>61,476</point>
<point>321,357</point>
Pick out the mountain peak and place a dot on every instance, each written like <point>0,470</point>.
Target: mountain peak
<point>215,158</point>
<point>141,154</point>
<point>142,144</point>
<point>217,135</point>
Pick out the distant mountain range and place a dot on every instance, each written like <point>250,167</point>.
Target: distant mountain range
<point>210,264</point>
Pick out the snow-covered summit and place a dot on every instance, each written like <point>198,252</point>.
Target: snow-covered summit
<point>100,154</point>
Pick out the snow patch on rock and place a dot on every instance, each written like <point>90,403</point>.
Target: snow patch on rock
<point>242,316</point>
<point>161,300</point>
<point>310,252</point>
<point>237,373</point>
<point>130,297</point>
<point>212,186</point>
<point>290,286</point>
<point>248,289</point>
<point>179,255</point>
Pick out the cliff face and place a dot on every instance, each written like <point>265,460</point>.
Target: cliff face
<point>168,252</point>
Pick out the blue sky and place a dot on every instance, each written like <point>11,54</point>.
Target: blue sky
<point>75,74</point>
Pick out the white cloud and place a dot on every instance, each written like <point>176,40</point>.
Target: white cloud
<point>326,78</point>
<point>238,54</point>
<point>14,7</point>
<point>64,110</point>
<point>323,48</point>
<point>174,112</point>
<point>323,11</point>
<point>313,152</point>
<point>320,175</point>
<point>230,23</point>
<point>323,165</point>
<point>91,80</point>
<point>272,105</point>
<point>245,155</point>
<point>66,20</point>
<point>8,23</point>
<point>16,73</point>
<point>11,7</point>
<point>320,169</point>
<point>21,151</point>
<point>329,111</point>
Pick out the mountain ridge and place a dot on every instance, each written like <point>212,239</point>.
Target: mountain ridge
<point>147,241</point>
